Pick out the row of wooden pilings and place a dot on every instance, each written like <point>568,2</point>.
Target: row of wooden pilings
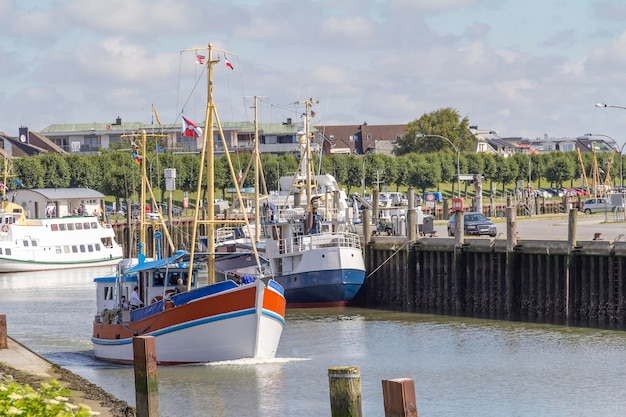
<point>344,384</point>
<point>554,281</point>
<point>344,387</point>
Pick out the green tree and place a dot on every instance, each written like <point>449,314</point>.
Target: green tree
<point>560,168</point>
<point>29,172</point>
<point>423,176</point>
<point>354,167</point>
<point>445,122</point>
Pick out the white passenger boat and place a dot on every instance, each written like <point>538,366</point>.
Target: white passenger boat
<point>54,242</point>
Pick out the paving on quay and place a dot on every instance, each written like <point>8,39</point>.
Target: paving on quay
<point>27,367</point>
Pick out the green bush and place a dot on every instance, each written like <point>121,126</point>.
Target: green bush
<point>51,400</point>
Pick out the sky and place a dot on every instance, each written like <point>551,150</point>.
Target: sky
<point>530,69</point>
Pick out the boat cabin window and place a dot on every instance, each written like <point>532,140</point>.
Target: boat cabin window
<point>86,226</point>
<point>158,279</point>
<point>79,226</point>
<point>173,278</point>
<point>66,249</point>
<point>54,227</point>
<point>25,242</point>
<point>108,293</point>
<point>74,249</point>
<point>33,243</point>
<point>0,251</point>
<point>58,250</point>
<point>94,225</point>
<point>62,226</point>
<point>7,251</point>
<point>82,248</point>
<point>98,247</point>
<point>70,226</point>
<point>90,248</point>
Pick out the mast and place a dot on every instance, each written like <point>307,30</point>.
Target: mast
<point>208,159</point>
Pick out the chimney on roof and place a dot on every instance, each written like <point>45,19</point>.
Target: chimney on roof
<point>289,120</point>
<point>118,121</point>
<point>23,134</point>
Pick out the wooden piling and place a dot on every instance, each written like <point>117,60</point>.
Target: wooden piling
<point>3,332</point>
<point>571,241</point>
<point>146,382</point>
<point>399,397</point>
<point>345,391</point>
<point>367,234</point>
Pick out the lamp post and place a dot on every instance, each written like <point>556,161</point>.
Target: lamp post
<point>458,158</point>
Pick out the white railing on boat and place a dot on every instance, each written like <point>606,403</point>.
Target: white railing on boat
<point>325,240</point>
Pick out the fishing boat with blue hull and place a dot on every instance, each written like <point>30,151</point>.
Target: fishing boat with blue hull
<point>307,235</point>
<point>207,323</point>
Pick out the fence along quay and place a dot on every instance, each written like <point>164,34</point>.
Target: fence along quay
<point>560,282</point>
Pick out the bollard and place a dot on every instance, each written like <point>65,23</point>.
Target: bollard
<point>146,382</point>
<point>345,391</point>
<point>3,332</point>
<point>399,397</point>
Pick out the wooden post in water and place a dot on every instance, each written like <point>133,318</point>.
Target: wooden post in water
<point>399,397</point>
<point>411,218</point>
<point>345,391</point>
<point>146,382</point>
<point>3,332</point>
<point>571,241</point>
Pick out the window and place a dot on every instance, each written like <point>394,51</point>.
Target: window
<point>70,226</point>
<point>369,136</point>
<point>25,243</point>
<point>98,248</point>
<point>58,250</point>
<point>0,251</point>
<point>108,293</point>
<point>86,226</point>
<point>66,249</point>
<point>54,227</point>
<point>62,227</point>
<point>90,248</point>
<point>7,251</point>
<point>79,226</point>
<point>82,248</point>
<point>74,249</point>
<point>158,279</point>
<point>94,225</point>
<point>33,243</point>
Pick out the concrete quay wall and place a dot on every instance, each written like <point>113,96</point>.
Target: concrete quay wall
<point>536,281</point>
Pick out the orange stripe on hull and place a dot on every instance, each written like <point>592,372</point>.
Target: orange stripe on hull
<point>212,306</point>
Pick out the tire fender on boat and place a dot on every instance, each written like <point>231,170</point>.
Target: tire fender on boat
<point>5,228</point>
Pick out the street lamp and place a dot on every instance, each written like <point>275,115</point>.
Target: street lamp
<point>609,105</point>
<point>458,162</point>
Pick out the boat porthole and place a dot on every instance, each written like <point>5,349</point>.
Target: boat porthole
<point>323,256</point>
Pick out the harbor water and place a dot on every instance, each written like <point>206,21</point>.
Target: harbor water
<point>460,366</point>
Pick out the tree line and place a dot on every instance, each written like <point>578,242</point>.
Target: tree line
<point>118,174</point>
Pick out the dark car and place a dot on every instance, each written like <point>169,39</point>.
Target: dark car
<point>176,211</point>
<point>474,223</point>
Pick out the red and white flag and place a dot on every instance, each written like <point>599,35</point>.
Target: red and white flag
<point>190,128</point>
<point>200,59</point>
<point>228,64</point>
<point>240,176</point>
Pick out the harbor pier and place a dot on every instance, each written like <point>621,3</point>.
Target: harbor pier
<point>580,282</point>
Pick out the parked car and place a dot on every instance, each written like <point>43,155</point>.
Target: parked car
<point>175,210</point>
<point>474,223</point>
<point>597,205</point>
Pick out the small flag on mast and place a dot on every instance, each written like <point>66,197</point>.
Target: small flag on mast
<point>200,59</point>
<point>240,176</point>
<point>190,128</point>
<point>156,115</point>
<point>228,64</point>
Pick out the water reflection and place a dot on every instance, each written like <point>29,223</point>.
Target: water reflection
<point>460,366</point>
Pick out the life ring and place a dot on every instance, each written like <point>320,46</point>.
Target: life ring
<point>5,228</point>
<point>158,298</point>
